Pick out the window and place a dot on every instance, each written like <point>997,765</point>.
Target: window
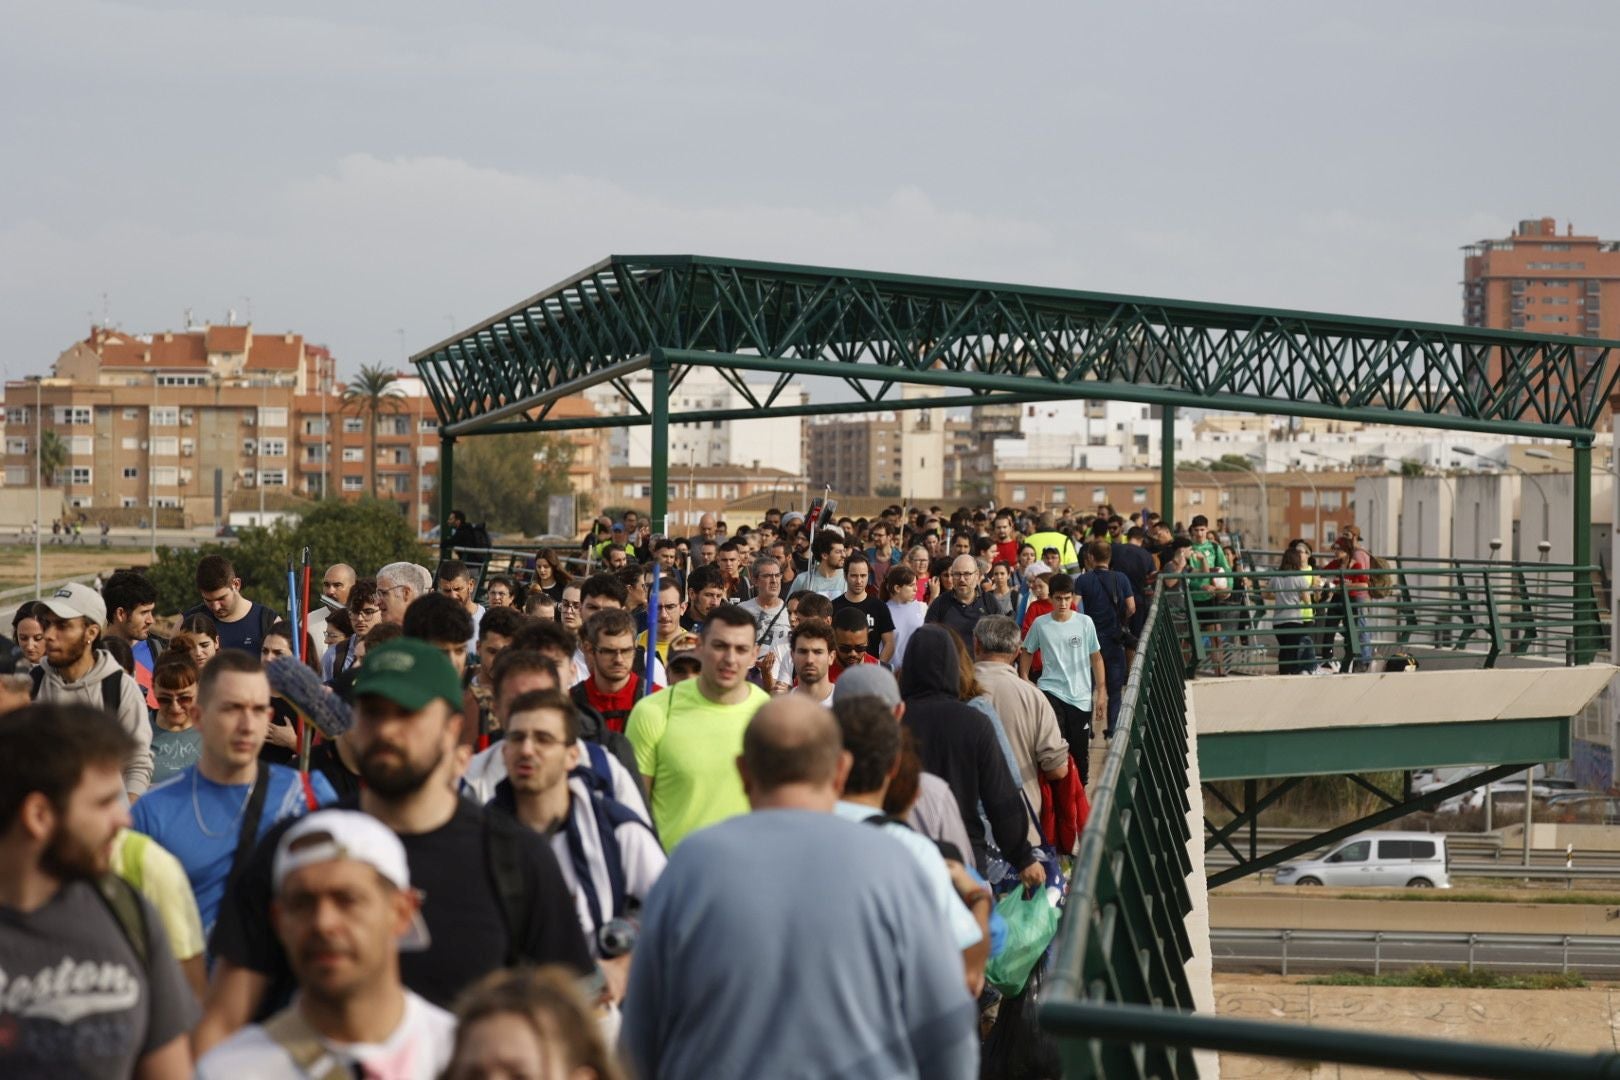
<point>182,380</point>
<point>129,442</point>
<point>1554,247</point>
<point>1060,493</point>
<point>1099,495</point>
<point>1356,852</point>
<point>1020,493</point>
<point>274,477</point>
<point>1307,531</point>
<point>354,483</point>
<point>79,474</point>
<point>165,416</point>
<point>17,416</point>
<point>273,447</point>
<point>73,414</point>
<point>354,425</point>
<point>1332,500</point>
<point>19,476</point>
<point>427,454</point>
<point>167,502</point>
<point>1139,496</point>
<point>426,424</point>
<point>393,425</point>
<point>128,502</point>
<point>131,413</point>
<point>131,472</point>
<point>1307,499</point>
<point>275,418</point>
<point>165,476</point>
<point>427,482</point>
<point>81,445</point>
<point>353,453</point>
<point>1195,498</point>
<point>166,446</point>
<point>16,446</point>
<point>316,426</point>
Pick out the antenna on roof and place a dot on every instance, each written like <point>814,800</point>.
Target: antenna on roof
<point>106,320</point>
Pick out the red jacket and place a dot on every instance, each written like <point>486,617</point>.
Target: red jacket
<point>1064,809</point>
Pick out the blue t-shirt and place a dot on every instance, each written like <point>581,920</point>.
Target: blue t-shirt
<point>246,633</point>
<point>198,820</point>
<point>1066,649</point>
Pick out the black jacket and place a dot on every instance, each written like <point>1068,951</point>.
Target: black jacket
<point>955,741</point>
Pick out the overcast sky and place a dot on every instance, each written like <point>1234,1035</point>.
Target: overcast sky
<point>353,170</point>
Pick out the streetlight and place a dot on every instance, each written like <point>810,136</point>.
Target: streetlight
<point>39,502</point>
<point>1265,500</point>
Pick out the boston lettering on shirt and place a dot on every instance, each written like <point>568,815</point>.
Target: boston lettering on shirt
<point>75,1000</point>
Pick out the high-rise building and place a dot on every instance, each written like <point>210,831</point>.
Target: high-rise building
<point>1542,282</point>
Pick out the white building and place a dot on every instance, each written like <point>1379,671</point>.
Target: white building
<point>773,441</point>
<point>1087,435</point>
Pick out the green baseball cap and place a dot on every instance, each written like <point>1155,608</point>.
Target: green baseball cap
<point>408,672</point>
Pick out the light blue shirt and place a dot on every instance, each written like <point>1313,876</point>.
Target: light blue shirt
<point>1066,649</point>
<point>198,821</point>
<point>964,927</point>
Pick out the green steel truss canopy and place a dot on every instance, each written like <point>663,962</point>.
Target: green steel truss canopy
<point>875,330</point>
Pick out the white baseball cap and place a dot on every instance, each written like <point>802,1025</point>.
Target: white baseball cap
<point>349,834</point>
<point>76,601</point>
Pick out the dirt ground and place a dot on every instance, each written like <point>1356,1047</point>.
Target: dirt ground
<point>61,561</point>
<point>1569,1020</point>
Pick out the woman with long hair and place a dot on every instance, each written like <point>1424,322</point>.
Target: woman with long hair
<point>28,631</point>
<point>1290,595</point>
<point>899,592</point>
<point>549,575</point>
<point>528,1022</point>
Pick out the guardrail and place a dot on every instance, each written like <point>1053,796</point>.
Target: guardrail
<point>1472,950</point>
<point>517,564</point>
<point>1118,995</point>
<point>1298,622</point>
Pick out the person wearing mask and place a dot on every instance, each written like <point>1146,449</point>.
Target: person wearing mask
<point>496,894</point>
<point>686,736</point>
<point>607,852</point>
<point>833,902</point>
<point>76,672</point>
<point>208,813</point>
<point>957,742</point>
<point>240,623</point>
<point>62,804</point>
<point>345,910</point>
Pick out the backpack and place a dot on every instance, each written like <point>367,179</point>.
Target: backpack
<point>1380,583</point>
<point>128,912</point>
<point>112,688</point>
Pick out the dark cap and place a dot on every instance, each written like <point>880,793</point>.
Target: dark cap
<point>409,673</point>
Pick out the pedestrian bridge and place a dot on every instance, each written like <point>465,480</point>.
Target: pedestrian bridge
<point>1504,660</point>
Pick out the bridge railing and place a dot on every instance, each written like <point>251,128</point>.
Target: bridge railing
<point>1118,995</point>
<point>1296,622</point>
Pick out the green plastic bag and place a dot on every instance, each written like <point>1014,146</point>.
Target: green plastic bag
<point>1030,926</point>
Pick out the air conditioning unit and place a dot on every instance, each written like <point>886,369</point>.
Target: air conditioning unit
<point>250,446</point>
<point>187,449</point>
<point>143,444</point>
<point>185,476</point>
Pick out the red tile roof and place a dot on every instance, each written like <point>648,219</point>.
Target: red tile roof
<point>275,352</point>
<point>227,339</point>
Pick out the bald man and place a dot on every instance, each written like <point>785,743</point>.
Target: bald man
<point>335,585</point>
<point>839,904</point>
<point>961,604</point>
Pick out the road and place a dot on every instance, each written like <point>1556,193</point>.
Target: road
<point>1317,956</point>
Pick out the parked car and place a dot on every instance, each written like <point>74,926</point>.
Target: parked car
<point>1505,791</point>
<point>1584,808</point>
<point>1415,860</point>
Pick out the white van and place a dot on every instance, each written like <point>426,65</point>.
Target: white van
<point>1414,860</point>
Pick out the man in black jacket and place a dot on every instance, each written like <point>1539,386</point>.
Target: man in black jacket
<point>955,741</point>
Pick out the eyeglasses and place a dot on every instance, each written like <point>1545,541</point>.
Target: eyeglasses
<point>568,605</point>
<point>600,651</point>
<point>545,740</point>
<point>369,612</point>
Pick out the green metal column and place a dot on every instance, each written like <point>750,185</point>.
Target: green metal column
<point>1587,640</point>
<point>447,487</point>
<point>659,434</point>
<point>1167,464</point>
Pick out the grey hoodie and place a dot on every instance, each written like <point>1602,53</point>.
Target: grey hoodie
<point>131,716</point>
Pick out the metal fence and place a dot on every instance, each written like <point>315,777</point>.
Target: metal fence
<point>1336,950</point>
<point>1265,622</point>
<point>1118,997</point>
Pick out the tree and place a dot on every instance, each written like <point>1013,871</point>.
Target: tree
<point>374,392</point>
<point>1411,467</point>
<point>367,535</point>
<point>503,481</point>
<point>53,457</point>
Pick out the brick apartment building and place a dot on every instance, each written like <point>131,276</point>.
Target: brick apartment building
<point>178,420</point>
<point>1542,282</point>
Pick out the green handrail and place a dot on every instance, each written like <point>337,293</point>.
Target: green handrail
<point>1118,997</point>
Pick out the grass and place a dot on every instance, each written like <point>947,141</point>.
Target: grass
<point>1458,978</point>
<point>1430,896</point>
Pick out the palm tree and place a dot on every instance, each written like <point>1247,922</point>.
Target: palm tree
<point>53,457</point>
<point>373,393</point>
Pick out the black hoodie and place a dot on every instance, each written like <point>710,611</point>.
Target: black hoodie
<point>955,741</point>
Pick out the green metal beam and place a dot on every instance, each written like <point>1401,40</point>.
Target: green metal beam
<point>1331,751</point>
<point>1581,464</point>
<point>659,509</point>
<point>1167,464</point>
<point>955,401</point>
<point>447,485</point>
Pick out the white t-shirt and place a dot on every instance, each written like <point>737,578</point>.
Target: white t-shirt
<point>779,630</point>
<point>641,860</point>
<point>487,769</point>
<point>418,1049</point>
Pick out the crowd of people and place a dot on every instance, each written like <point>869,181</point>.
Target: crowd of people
<point>632,810</point>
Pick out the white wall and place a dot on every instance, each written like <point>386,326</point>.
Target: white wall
<point>1378,513</point>
<point>1485,511</point>
<point>1426,517</point>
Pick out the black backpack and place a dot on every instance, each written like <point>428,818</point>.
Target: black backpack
<point>112,688</point>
